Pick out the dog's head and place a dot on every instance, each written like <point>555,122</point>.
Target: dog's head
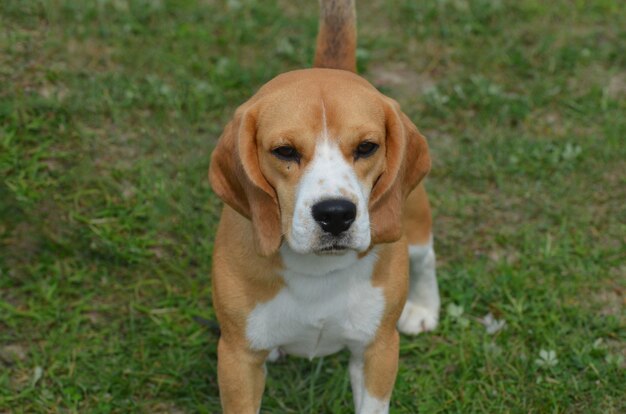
<point>321,158</point>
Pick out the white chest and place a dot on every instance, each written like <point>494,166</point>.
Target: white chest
<point>323,308</point>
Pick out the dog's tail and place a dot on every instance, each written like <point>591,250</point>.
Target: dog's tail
<point>336,40</point>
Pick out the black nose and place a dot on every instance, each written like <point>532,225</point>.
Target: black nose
<point>334,216</point>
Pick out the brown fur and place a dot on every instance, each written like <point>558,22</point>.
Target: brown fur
<point>236,177</point>
<point>417,219</point>
<point>241,279</point>
<point>408,162</point>
<point>259,192</point>
<point>254,183</point>
<point>245,175</point>
<point>336,39</point>
<point>381,356</point>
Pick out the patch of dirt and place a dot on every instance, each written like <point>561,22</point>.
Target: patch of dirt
<point>612,301</point>
<point>595,75</point>
<point>22,65</point>
<point>616,88</point>
<point>53,91</point>
<point>95,318</point>
<point>10,354</point>
<point>26,65</point>
<point>20,378</point>
<point>612,298</point>
<point>23,243</point>
<point>400,78</point>
<point>113,148</point>
<point>165,408</point>
<point>539,123</point>
<point>503,255</point>
<point>89,54</point>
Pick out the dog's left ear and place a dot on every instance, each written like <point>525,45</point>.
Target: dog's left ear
<point>236,177</point>
<point>408,162</point>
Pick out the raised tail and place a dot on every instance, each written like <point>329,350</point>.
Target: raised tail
<point>336,40</point>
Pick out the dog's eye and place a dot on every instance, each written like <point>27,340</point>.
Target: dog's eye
<point>365,149</point>
<point>286,153</point>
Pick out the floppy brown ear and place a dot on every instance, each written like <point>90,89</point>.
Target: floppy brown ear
<point>237,179</point>
<point>408,162</point>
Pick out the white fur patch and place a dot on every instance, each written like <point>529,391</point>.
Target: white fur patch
<point>357,381</point>
<point>328,176</point>
<point>373,405</point>
<point>364,403</point>
<point>328,303</point>
<point>421,311</point>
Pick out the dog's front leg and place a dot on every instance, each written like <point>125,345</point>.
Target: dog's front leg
<point>421,311</point>
<point>373,373</point>
<point>241,377</point>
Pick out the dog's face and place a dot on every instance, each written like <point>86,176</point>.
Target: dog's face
<point>322,155</point>
<point>320,158</point>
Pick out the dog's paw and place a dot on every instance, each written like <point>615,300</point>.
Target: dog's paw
<point>417,318</point>
<point>276,354</point>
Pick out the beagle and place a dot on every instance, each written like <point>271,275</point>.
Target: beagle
<point>324,242</point>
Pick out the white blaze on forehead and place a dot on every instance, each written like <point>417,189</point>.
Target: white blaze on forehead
<point>325,134</point>
<point>328,176</point>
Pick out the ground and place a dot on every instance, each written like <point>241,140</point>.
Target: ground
<point>109,111</point>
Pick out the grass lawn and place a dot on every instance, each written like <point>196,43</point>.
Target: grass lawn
<point>108,113</point>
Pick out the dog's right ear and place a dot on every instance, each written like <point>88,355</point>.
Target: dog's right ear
<point>237,179</point>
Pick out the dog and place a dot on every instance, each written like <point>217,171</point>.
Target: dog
<point>325,240</point>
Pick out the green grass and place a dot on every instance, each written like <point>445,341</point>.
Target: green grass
<point>109,111</point>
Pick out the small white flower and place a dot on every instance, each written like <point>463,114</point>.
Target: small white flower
<point>492,324</point>
<point>37,374</point>
<point>614,359</point>
<point>598,344</point>
<point>547,358</point>
<point>454,310</point>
